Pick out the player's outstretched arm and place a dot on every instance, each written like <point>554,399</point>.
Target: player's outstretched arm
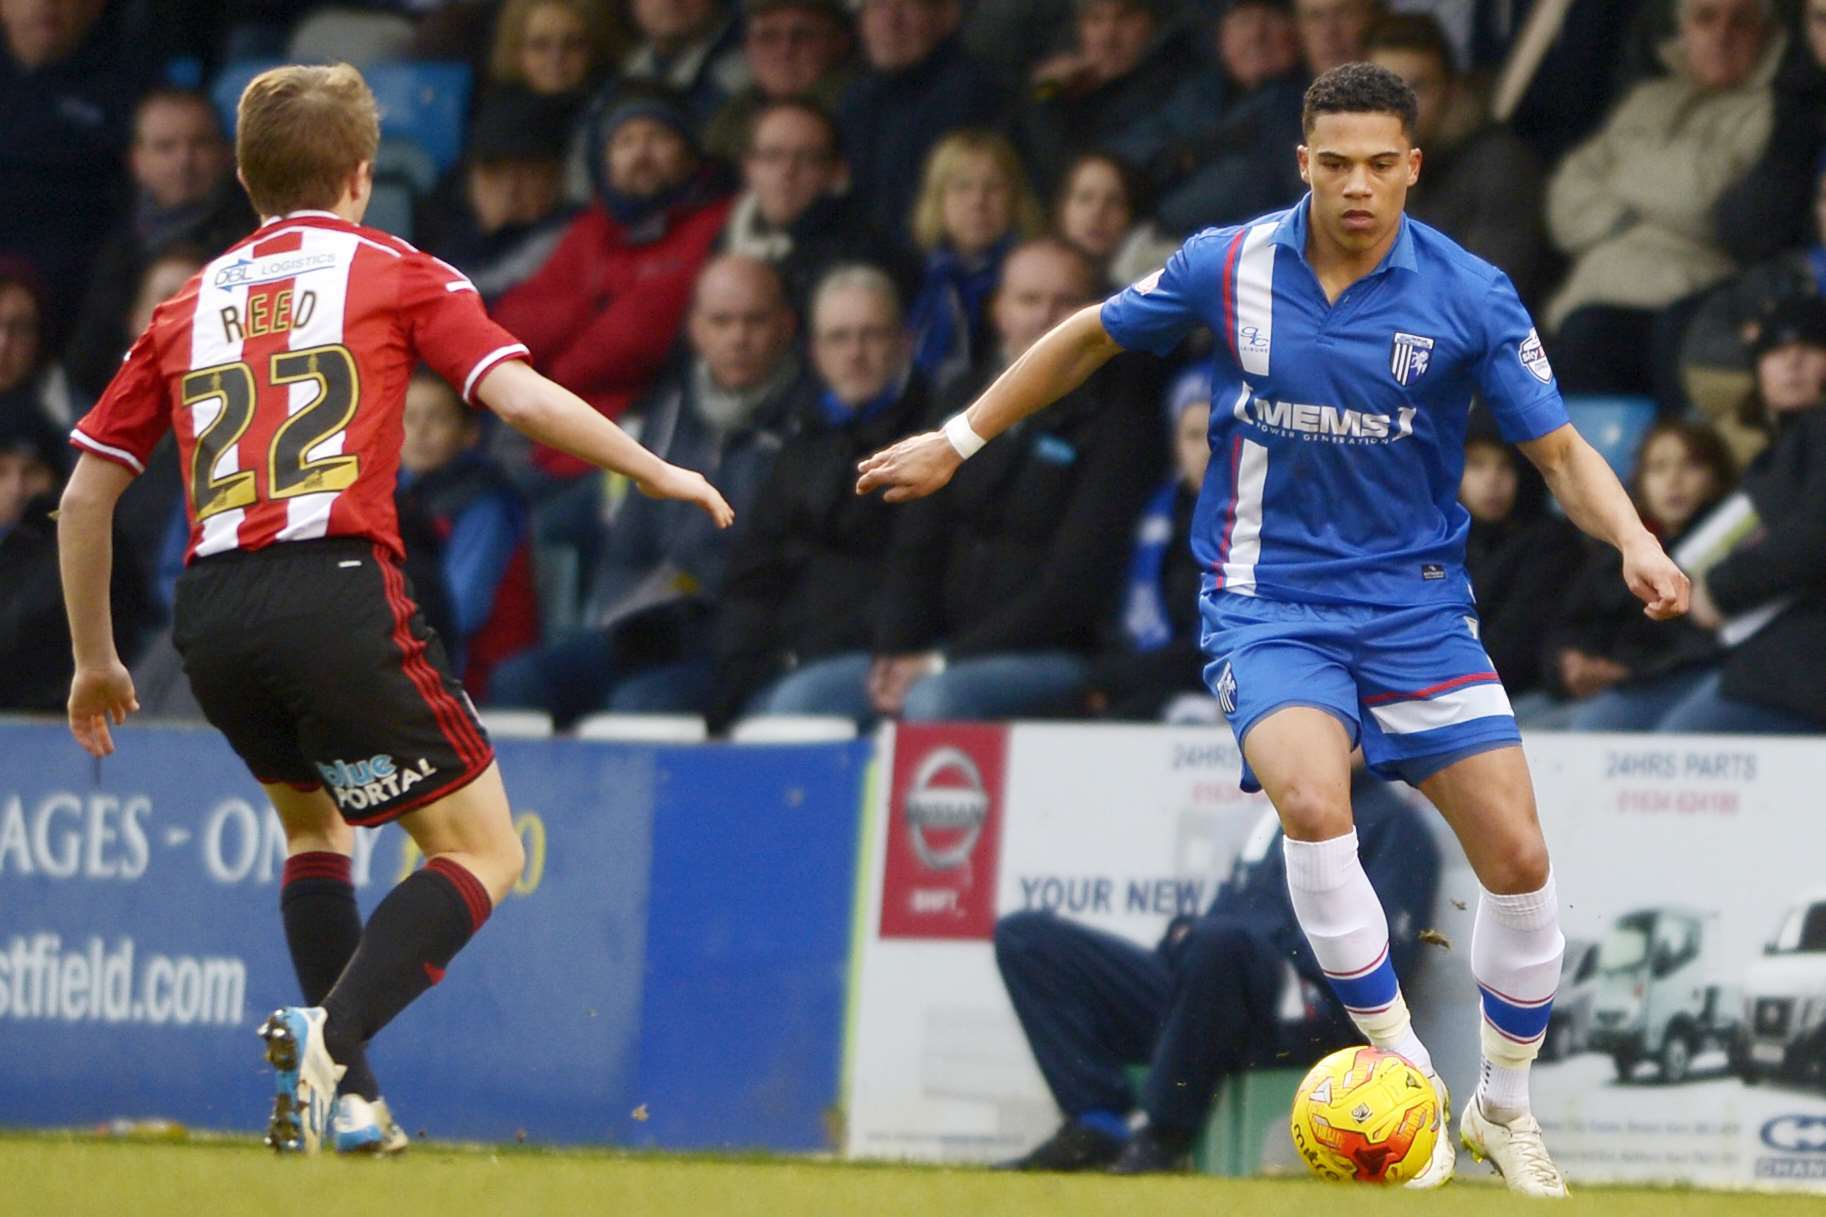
<point>1595,500</point>
<point>546,411</point>
<point>1052,367</point>
<point>101,689</point>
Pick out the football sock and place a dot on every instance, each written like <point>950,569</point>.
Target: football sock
<point>322,930</point>
<point>1516,947</point>
<point>410,940</point>
<point>1343,920</point>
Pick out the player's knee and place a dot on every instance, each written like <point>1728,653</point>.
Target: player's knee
<point>511,859</point>
<point>1523,868</point>
<point>1312,811</point>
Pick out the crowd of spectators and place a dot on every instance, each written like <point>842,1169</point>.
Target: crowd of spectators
<point>773,235</point>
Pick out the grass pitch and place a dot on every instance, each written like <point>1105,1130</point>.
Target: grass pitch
<point>65,1176</point>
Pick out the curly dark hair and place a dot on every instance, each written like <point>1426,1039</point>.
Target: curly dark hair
<point>1360,88</point>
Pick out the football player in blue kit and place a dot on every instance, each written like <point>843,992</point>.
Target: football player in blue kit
<point>1336,609</point>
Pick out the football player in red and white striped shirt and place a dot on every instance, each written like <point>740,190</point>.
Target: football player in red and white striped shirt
<point>282,368</point>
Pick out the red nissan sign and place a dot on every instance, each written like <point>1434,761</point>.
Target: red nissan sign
<point>944,832</point>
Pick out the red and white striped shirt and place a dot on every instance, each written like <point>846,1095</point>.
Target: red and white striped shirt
<point>282,366</point>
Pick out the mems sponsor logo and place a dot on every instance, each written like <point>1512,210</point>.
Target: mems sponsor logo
<point>1328,424</point>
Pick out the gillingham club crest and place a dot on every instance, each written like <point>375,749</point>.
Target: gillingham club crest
<point>1409,356</point>
<point>1225,688</point>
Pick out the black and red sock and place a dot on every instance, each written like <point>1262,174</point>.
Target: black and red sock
<point>323,930</point>
<point>410,940</point>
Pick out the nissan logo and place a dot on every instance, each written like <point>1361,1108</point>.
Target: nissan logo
<point>1797,1134</point>
<point>946,810</point>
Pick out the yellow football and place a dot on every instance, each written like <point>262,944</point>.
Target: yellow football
<point>1366,1116</point>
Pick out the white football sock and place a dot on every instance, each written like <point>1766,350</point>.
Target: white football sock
<point>1516,947</point>
<point>1343,920</point>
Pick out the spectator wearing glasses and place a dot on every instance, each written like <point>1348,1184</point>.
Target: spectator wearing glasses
<point>795,211</point>
<point>555,48</point>
<point>799,609</point>
<point>795,49</point>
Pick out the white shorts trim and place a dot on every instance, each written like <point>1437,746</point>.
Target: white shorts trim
<point>1446,710</point>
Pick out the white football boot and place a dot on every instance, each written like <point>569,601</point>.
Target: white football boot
<point>304,1079</point>
<point>1439,1171</point>
<point>1515,1150</point>
<point>363,1127</point>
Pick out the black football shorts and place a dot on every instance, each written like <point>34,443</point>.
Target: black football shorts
<point>312,658</point>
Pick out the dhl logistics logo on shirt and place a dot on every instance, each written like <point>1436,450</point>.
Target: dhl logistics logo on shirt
<point>244,272</point>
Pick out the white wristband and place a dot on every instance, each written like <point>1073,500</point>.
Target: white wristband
<point>963,436</point>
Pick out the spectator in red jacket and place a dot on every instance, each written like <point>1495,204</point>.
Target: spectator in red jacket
<point>603,311</point>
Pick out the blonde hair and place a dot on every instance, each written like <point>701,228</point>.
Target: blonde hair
<point>300,132</point>
<point>607,38</point>
<point>1026,218</point>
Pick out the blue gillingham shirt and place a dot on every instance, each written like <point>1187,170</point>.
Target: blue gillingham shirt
<point>1337,430</point>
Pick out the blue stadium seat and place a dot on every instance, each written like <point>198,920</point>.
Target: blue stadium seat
<point>1614,425</point>
<point>423,103</point>
<point>184,72</point>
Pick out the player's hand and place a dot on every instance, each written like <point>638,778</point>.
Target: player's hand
<point>1652,576</point>
<point>911,469</point>
<point>688,486</point>
<point>96,696</point>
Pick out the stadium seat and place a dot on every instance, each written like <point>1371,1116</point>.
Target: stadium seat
<point>424,104</point>
<point>344,35</point>
<point>517,724</point>
<point>1613,425</point>
<point>184,72</point>
<point>792,729</point>
<point>1249,1109</point>
<point>1250,1112</point>
<point>644,728</point>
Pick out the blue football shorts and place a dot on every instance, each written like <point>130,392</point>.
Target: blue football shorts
<point>1413,686</point>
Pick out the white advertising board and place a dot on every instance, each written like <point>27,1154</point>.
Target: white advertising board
<point>1679,860</point>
